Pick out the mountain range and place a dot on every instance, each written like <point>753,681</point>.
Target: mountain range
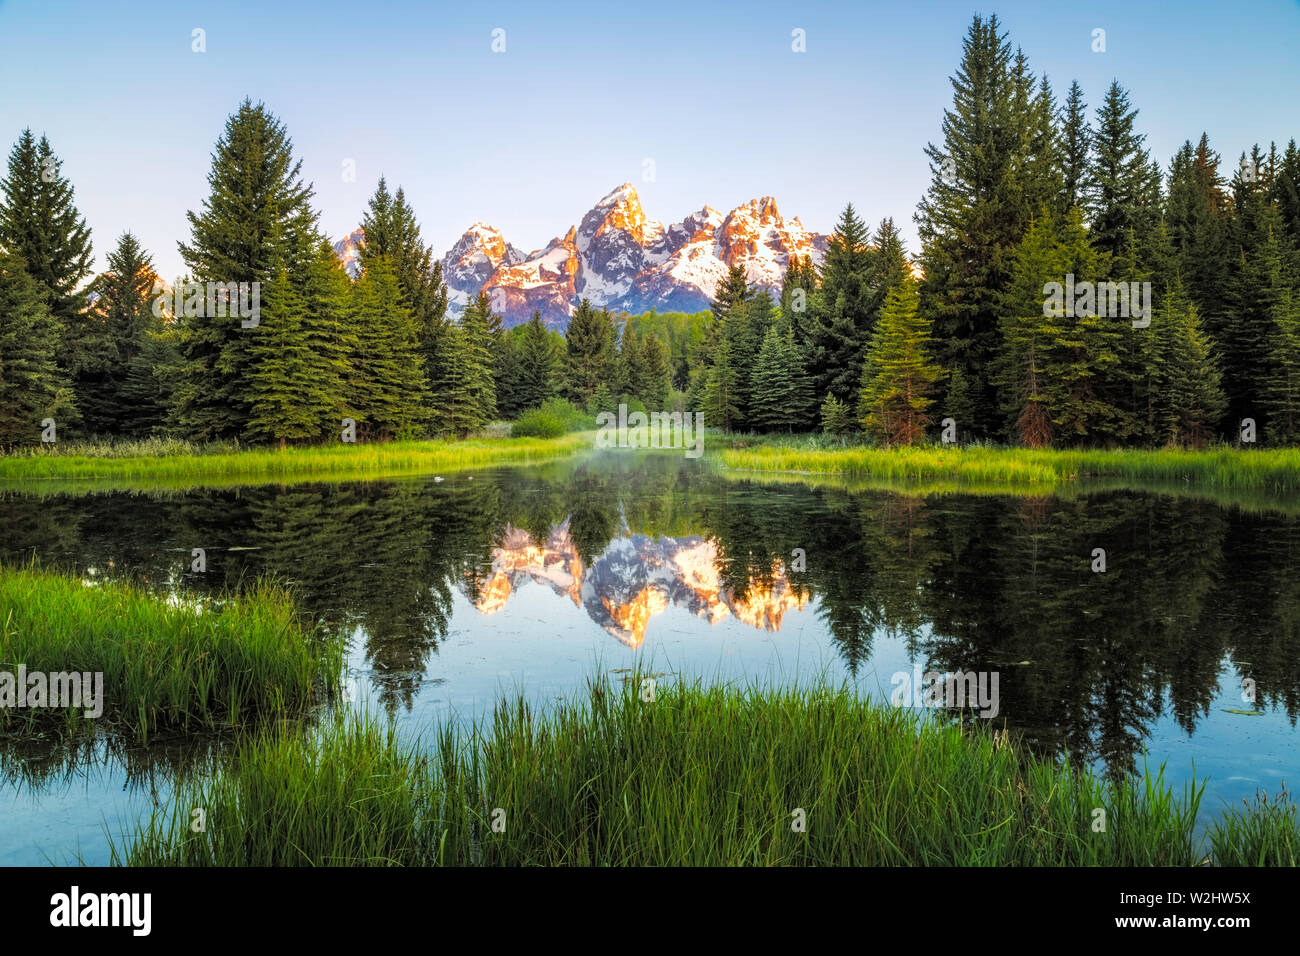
<point>618,259</point>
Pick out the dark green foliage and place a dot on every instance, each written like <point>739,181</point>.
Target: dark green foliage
<point>392,232</point>
<point>837,417</point>
<point>974,213</point>
<point>462,378</point>
<point>591,354</point>
<point>1188,399</point>
<point>1123,183</point>
<point>1076,145</point>
<point>39,223</point>
<point>256,219</point>
<point>112,334</point>
<point>780,393</point>
<point>32,386</point>
<point>391,399</point>
<point>898,376</point>
<point>732,290</point>
<point>538,364</point>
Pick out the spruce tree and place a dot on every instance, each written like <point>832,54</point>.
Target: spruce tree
<point>111,334</point>
<point>1188,397</point>
<point>1124,185</point>
<point>837,417</point>
<point>1281,392</point>
<point>590,352</point>
<point>32,386</point>
<point>846,304</point>
<point>462,380</point>
<point>329,331</point>
<point>899,376</point>
<point>538,362</point>
<point>1029,334</point>
<point>391,399</point>
<point>973,214</point>
<point>39,223</point>
<point>1076,143</point>
<point>780,391</point>
<point>734,288</point>
<point>256,218</point>
<point>718,402</point>
<point>287,400</point>
<point>391,231</point>
<point>654,373</point>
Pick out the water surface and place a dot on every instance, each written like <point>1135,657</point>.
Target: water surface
<point>454,591</point>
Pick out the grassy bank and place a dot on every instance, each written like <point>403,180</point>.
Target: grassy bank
<point>1271,470</point>
<point>173,462</point>
<point>701,776</point>
<point>166,666</point>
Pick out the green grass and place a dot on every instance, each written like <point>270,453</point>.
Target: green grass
<point>1223,468</point>
<point>167,666</point>
<point>700,776</point>
<point>172,462</point>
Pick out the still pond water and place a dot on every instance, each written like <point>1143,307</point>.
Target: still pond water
<point>455,591</point>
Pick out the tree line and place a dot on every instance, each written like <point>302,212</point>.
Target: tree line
<point>117,358</point>
<point>1026,194</point>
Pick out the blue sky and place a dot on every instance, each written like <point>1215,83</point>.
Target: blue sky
<point>584,93</point>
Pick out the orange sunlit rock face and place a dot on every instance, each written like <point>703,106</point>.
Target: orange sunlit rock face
<point>636,579</point>
<point>633,616</point>
<point>765,609</point>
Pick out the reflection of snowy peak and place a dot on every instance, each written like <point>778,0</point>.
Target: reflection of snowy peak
<point>636,578</point>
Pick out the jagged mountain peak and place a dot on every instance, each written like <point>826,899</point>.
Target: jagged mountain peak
<point>620,259</point>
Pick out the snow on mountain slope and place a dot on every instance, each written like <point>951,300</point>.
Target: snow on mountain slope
<point>619,259</point>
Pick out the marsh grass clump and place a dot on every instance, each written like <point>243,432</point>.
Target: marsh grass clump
<point>1272,469</point>
<point>348,793</point>
<point>698,776</point>
<point>167,665</point>
<point>163,460</point>
<point>1266,834</point>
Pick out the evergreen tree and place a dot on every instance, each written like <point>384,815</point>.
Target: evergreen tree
<point>462,377</point>
<point>654,376</point>
<point>1286,192</point>
<point>837,417</point>
<point>731,290</point>
<point>392,232</point>
<point>722,381</point>
<point>40,224</point>
<point>1076,142</point>
<point>843,316</point>
<point>538,363</point>
<point>1085,352</point>
<point>1029,332</point>
<point>329,332</point>
<point>1124,185</point>
<point>898,377</point>
<point>1196,216</point>
<point>780,391</point>
<point>509,374</point>
<point>1188,397</point>
<point>150,381</point>
<point>111,334</point>
<point>590,352</point>
<point>1281,393</point>
<point>391,400</point>
<point>287,400</point>
<point>973,214</point>
<point>256,218</point>
<point>32,386</point>
<point>1262,281</point>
